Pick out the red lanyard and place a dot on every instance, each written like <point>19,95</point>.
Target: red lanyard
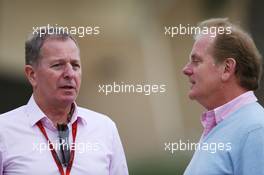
<point>53,152</point>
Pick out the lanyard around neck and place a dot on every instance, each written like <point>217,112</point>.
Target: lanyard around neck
<point>53,152</point>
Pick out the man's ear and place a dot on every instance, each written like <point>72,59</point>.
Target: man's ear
<point>229,68</point>
<point>31,75</point>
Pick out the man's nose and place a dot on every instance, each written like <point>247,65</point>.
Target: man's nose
<point>68,71</point>
<point>187,70</point>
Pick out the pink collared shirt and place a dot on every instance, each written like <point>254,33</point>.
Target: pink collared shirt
<point>24,150</point>
<point>211,118</point>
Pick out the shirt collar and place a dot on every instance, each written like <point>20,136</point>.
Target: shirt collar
<point>35,113</point>
<point>218,114</point>
<point>225,110</point>
<point>78,115</point>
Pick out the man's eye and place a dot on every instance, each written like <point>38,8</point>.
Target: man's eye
<point>76,65</point>
<point>196,61</point>
<point>56,65</point>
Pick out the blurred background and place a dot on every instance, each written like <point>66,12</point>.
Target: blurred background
<point>131,48</point>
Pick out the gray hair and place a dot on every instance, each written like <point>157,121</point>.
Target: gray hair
<point>36,40</point>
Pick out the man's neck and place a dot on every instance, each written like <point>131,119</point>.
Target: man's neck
<point>223,98</point>
<point>56,113</point>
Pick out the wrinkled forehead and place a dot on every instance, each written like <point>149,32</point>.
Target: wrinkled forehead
<point>59,44</point>
<point>59,49</point>
<point>55,39</point>
<point>203,45</point>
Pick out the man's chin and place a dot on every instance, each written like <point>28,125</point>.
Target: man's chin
<point>191,95</point>
<point>67,99</point>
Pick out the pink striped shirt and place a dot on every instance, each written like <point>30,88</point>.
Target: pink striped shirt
<point>211,118</point>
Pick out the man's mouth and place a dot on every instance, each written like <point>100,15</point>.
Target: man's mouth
<point>192,83</point>
<point>68,87</point>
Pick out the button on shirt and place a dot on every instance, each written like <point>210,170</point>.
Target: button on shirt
<point>25,151</point>
<point>211,118</point>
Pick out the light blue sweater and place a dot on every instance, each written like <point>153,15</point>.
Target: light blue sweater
<point>240,145</point>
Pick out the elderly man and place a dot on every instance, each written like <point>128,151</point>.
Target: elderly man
<point>51,135</point>
<point>224,71</point>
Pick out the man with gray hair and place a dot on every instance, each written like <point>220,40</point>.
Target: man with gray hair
<point>224,70</point>
<point>51,135</point>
